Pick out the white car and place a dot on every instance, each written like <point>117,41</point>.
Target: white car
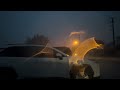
<point>35,61</point>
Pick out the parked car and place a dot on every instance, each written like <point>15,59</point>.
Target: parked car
<point>36,61</point>
<point>87,69</point>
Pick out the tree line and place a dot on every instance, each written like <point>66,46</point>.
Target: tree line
<point>37,39</point>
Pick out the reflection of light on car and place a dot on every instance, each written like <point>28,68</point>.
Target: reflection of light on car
<point>67,55</point>
<point>41,51</point>
<point>83,48</point>
<point>74,33</point>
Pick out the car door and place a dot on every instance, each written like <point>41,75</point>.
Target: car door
<point>41,64</point>
<point>46,64</point>
<point>62,64</point>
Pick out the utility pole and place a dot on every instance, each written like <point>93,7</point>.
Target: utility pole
<point>113,31</point>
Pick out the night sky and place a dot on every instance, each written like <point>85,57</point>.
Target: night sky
<point>16,26</point>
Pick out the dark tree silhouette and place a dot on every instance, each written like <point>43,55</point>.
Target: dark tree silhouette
<point>37,40</point>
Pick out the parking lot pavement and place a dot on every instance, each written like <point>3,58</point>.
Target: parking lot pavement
<point>109,67</point>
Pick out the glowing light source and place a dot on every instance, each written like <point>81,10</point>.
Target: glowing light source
<point>76,42</point>
<point>75,54</point>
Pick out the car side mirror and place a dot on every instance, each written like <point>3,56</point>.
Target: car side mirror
<point>58,55</point>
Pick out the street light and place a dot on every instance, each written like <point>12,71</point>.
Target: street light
<point>75,42</point>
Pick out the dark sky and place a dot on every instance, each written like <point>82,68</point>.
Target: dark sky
<point>16,26</point>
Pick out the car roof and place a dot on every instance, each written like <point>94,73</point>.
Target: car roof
<point>9,45</point>
<point>19,45</point>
